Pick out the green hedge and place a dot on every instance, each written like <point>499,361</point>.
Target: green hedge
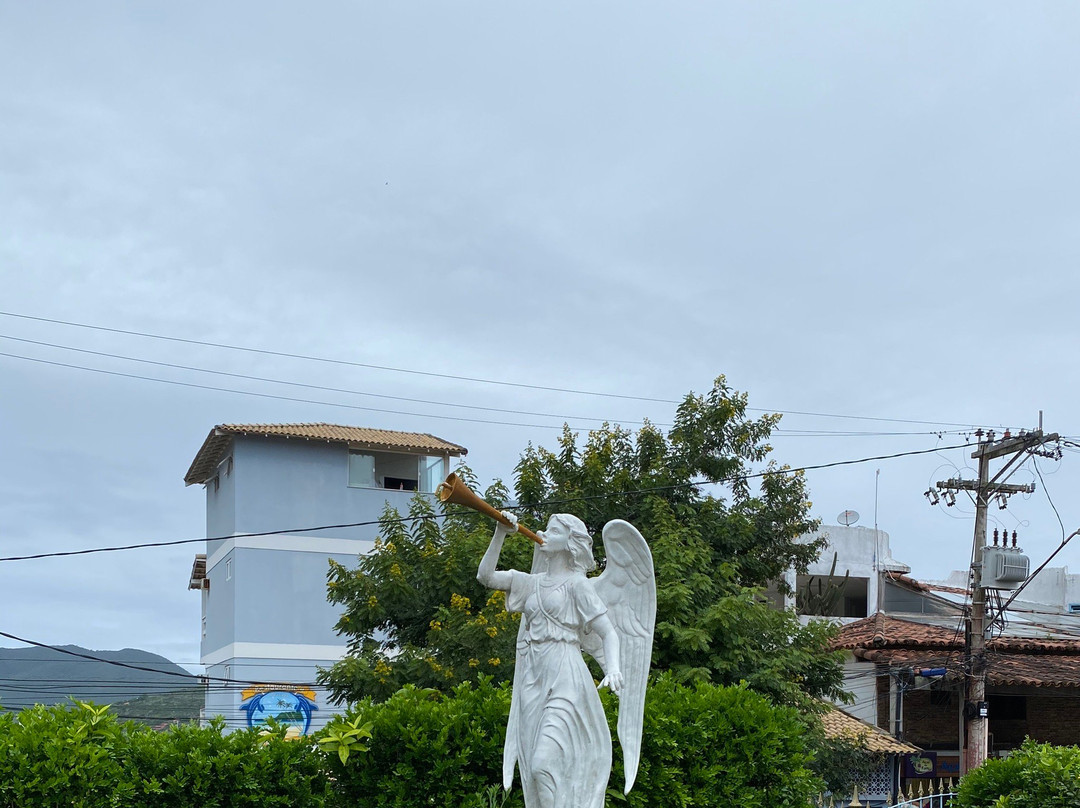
<point>82,757</point>
<point>1037,775</point>
<point>703,746</point>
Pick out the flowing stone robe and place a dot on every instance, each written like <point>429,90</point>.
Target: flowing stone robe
<point>557,732</point>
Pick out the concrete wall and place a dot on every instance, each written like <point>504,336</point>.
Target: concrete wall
<point>861,552</point>
<point>281,596</point>
<point>860,679</point>
<point>279,483</point>
<point>267,616</point>
<point>219,607</point>
<point>225,700</point>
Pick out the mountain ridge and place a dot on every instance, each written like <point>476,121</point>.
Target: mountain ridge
<point>33,675</point>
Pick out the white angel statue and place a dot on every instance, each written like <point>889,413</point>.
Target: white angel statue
<point>557,733</point>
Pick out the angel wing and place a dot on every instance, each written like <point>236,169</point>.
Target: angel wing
<point>628,588</point>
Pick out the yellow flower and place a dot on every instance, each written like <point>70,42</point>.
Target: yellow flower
<point>395,570</point>
<point>494,662</point>
<point>473,663</point>
<point>435,625</point>
<point>492,631</point>
<point>460,602</point>
<point>481,620</point>
<point>372,602</point>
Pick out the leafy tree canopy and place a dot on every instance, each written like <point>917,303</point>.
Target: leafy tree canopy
<point>415,613</point>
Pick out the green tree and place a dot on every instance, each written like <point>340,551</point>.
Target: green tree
<point>415,614</point>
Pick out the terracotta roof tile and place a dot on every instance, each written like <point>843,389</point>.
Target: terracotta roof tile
<point>908,580</point>
<point>1053,670</point>
<point>840,724</point>
<point>1010,660</point>
<point>1002,669</point>
<point>880,630</point>
<point>217,442</point>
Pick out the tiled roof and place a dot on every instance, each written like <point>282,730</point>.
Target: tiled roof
<point>839,724</point>
<point>1009,661</point>
<point>1046,670</point>
<point>217,442</point>
<point>880,631</point>
<point>908,581</point>
<point>198,572</point>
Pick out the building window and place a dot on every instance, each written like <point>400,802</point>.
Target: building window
<point>941,698</point>
<point>204,626</point>
<point>361,470</point>
<point>1008,708</point>
<point>228,569</point>
<point>432,472</point>
<point>228,466</point>
<point>228,672</point>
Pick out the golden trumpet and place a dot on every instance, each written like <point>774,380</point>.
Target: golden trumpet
<point>453,490</point>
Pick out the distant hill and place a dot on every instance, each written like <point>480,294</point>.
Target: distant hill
<point>156,709</point>
<point>44,676</point>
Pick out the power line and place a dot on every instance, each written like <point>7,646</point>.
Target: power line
<point>272,396</point>
<point>782,431</point>
<point>198,678</point>
<point>309,358</point>
<point>546,503</point>
<point>323,388</point>
<point>343,362</point>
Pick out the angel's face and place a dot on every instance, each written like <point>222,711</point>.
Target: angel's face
<point>556,537</point>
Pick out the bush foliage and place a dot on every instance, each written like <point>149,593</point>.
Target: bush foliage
<point>1037,775</point>
<point>703,745</point>
<point>81,756</point>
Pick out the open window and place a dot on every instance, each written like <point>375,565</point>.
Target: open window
<point>831,595</point>
<point>395,472</point>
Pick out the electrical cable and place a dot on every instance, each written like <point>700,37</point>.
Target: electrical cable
<point>781,431</point>
<point>274,397</point>
<point>327,360</point>
<point>191,676</point>
<point>545,503</point>
<point>320,387</point>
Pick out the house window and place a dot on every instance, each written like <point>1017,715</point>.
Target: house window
<point>1008,708</point>
<point>228,569</point>
<point>204,626</point>
<point>940,698</point>
<point>228,672</point>
<point>361,470</point>
<point>432,472</point>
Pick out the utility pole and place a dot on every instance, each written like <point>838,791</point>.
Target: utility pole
<point>984,489</point>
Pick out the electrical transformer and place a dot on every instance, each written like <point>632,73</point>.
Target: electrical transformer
<point>1004,567</point>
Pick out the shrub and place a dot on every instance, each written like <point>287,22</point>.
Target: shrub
<point>63,756</point>
<point>1034,776</point>
<point>703,745</point>
<point>426,748</point>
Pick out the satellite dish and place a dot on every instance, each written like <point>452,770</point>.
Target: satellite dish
<point>848,518</point>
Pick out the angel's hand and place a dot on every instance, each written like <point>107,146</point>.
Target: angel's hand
<point>613,681</point>
<point>501,529</point>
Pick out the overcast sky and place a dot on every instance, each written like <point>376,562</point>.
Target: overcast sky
<point>861,209</point>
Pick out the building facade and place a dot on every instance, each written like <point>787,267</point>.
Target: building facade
<point>311,492</point>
